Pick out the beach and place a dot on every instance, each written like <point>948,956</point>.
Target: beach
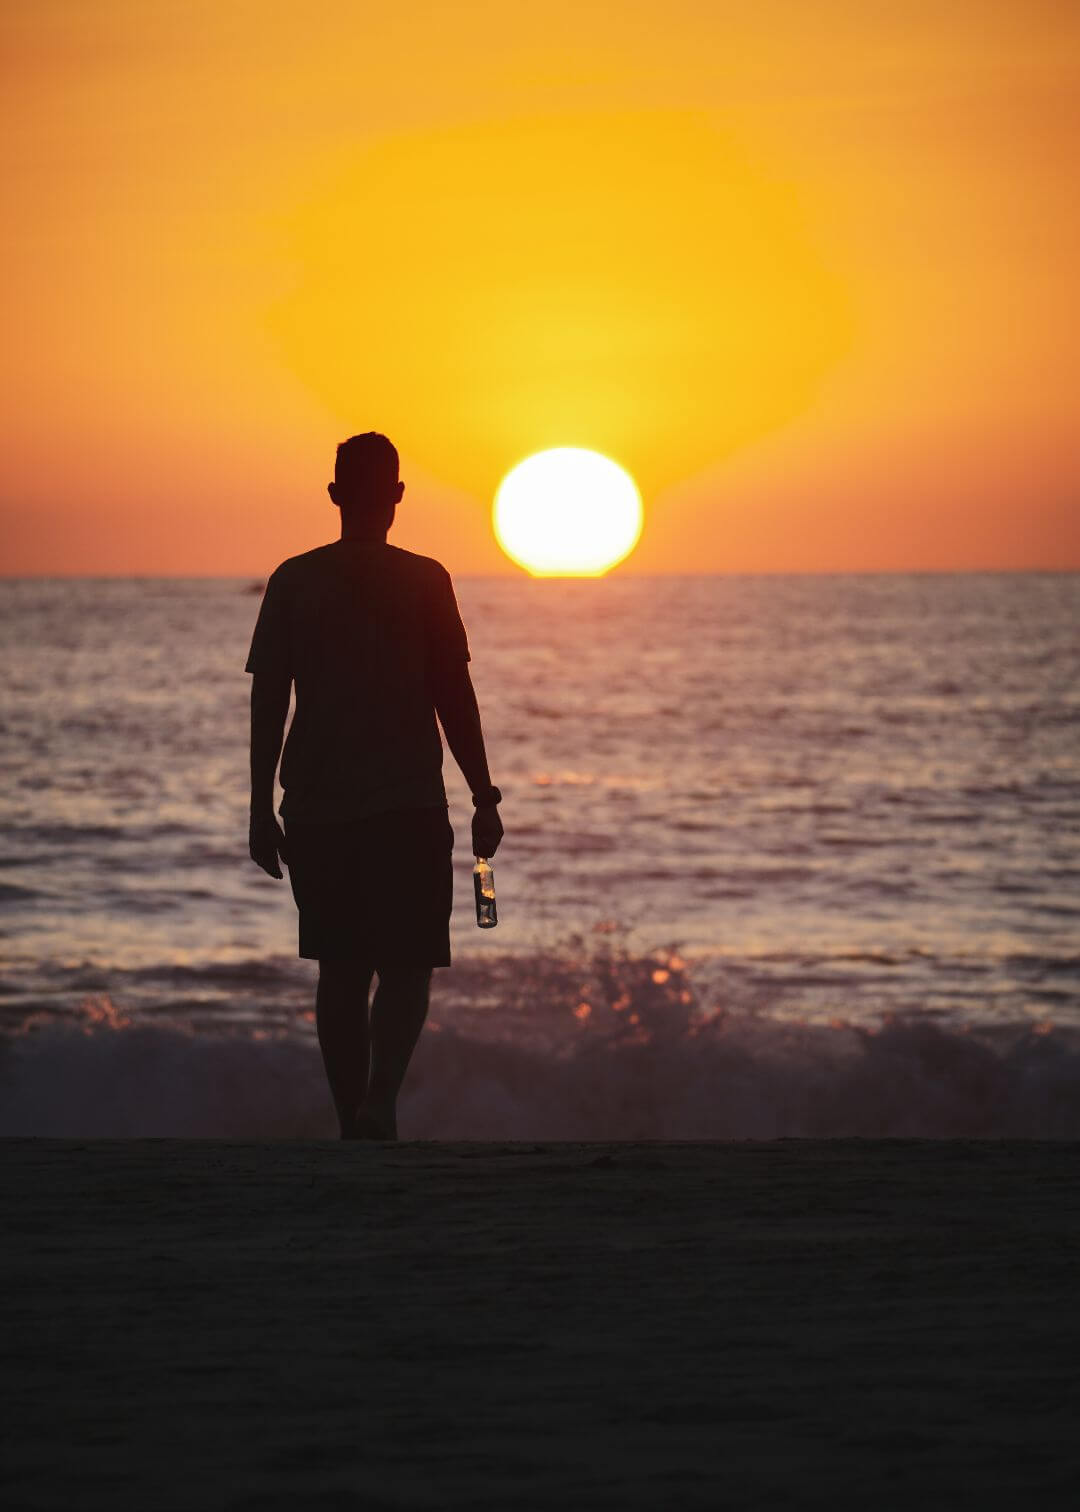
<point>307,1323</point>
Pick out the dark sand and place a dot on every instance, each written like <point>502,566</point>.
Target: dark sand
<point>205,1324</point>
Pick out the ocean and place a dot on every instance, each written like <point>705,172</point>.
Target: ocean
<point>784,855</point>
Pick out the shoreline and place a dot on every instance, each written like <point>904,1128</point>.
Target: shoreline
<point>224,1323</point>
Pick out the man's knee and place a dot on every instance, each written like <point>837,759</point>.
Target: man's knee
<point>410,982</point>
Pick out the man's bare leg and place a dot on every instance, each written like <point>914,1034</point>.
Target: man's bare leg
<point>341,1018</point>
<point>398,1012</point>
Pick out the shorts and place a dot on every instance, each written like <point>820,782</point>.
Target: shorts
<point>377,890</point>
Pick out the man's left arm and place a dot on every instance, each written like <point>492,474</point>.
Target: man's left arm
<point>269,711</point>
<point>459,715</point>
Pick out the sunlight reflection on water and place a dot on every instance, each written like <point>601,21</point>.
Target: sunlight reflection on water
<point>835,794</point>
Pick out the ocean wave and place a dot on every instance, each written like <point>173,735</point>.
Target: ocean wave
<point>617,1048</point>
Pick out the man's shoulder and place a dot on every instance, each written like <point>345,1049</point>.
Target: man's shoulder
<point>304,561</point>
<point>412,561</point>
<point>415,565</point>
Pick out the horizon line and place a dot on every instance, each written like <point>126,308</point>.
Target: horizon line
<point>570,577</point>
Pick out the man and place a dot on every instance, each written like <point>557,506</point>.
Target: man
<point>372,639</point>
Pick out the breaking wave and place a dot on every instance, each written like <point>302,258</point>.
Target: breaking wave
<point>615,1047</point>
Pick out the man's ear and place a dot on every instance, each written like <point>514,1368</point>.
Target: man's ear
<point>398,494</point>
<point>332,491</point>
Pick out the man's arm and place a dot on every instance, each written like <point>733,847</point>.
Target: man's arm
<point>269,711</point>
<point>459,715</point>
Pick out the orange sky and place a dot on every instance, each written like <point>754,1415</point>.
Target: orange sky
<point>806,269</point>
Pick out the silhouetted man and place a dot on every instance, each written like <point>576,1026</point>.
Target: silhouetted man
<point>372,639</point>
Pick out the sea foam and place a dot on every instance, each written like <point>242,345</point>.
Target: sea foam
<point>618,1048</point>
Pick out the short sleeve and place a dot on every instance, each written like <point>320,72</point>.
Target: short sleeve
<point>447,642</point>
<point>271,650</point>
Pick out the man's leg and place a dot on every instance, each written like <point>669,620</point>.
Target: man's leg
<point>397,1016</point>
<point>341,1018</point>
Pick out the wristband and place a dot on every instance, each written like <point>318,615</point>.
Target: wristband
<point>488,796</point>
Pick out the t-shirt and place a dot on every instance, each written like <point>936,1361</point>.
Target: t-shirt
<point>362,628</point>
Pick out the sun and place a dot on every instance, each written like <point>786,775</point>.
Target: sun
<point>567,512</point>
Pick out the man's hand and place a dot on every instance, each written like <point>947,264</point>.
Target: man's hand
<point>487,829</point>
<point>266,843</point>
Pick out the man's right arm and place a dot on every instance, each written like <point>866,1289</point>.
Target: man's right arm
<point>269,711</point>
<point>270,663</point>
<point>459,715</point>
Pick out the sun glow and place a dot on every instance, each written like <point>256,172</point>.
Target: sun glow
<point>567,512</point>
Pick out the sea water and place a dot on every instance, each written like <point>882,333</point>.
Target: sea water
<point>783,854</point>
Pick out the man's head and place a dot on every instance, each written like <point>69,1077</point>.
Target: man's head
<point>366,484</point>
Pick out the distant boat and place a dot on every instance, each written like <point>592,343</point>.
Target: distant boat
<point>254,588</point>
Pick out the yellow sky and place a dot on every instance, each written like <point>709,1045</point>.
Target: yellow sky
<point>806,269</point>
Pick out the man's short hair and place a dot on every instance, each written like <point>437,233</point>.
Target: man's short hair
<point>366,464</point>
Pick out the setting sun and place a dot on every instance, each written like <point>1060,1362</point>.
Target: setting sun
<point>567,512</point>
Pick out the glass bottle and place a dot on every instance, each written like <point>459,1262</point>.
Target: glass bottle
<point>484,888</point>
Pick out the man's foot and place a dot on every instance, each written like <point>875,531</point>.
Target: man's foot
<point>374,1121</point>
